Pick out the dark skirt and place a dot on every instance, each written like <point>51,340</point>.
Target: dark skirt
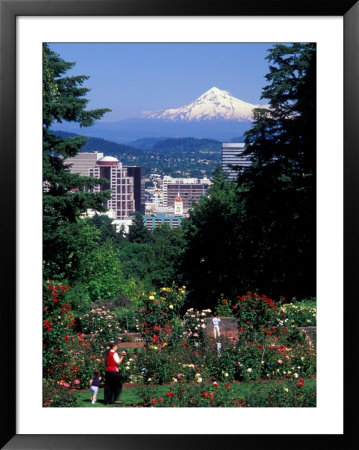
<point>112,387</point>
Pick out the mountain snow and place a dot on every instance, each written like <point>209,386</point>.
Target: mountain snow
<point>213,104</point>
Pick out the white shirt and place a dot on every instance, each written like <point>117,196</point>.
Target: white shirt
<point>115,356</point>
<point>216,321</point>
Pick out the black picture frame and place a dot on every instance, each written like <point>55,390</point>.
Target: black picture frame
<point>9,10</point>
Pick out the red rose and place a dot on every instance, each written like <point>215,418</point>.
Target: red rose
<point>170,394</point>
<point>204,394</point>
<point>154,400</point>
<point>226,386</point>
<point>259,346</point>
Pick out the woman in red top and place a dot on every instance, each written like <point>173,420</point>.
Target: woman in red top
<point>113,382</point>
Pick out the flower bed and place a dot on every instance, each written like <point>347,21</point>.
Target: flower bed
<point>258,342</point>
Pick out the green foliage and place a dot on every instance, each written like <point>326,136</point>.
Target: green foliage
<point>138,232</point>
<point>280,186</point>
<point>107,230</point>
<point>57,395</point>
<point>64,196</point>
<point>257,315</point>
<point>211,263</point>
<point>195,325</point>
<point>224,307</point>
<point>58,323</point>
<point>301,314</point>
<point>156,315</point>
<point>101,323</point>
<point>166,250</point>
<point>288,394</point>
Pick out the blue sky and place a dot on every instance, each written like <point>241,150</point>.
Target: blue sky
<point>129,77</point>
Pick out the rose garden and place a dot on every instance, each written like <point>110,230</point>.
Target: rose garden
<point>173,360</point>
<point>245,251</point>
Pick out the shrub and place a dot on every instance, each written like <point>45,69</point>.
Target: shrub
<point>301,314</point>
<point>58,324</point>
<point>195,326</point>
<point>287,395</point>
<point>224,307</point>
<point>101,323</point>
<point>58,394</point>
<point>257,316</point>
<point>157,315</point>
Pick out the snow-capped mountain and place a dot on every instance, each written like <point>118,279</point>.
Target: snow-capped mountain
<point>213,104</point>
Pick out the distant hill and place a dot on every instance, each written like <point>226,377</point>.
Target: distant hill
<point>146,143</point>
<point>175,157</point>
<point>188,144</point>
<point>109,148</point>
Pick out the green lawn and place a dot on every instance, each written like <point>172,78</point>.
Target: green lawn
<point>130,398</point>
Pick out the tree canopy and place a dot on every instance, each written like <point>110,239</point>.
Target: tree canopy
<point>65,195</point>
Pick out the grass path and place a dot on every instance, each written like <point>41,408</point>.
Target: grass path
<point>130,396</point>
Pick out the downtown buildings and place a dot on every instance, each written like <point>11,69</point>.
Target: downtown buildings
<point>126,183</point>
<point>166,203</point>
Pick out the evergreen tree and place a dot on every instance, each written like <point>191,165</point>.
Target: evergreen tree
<point>280,187</point>
<point>261,233</point>
<point>212,262</point>
<point>107,229</point>
<point>65,195</point>
<point>138,232</point>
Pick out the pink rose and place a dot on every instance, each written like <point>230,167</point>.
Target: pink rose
<point>77,382</point>
<point>280,361</point>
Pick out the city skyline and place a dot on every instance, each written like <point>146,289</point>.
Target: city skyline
<point>131,78</point>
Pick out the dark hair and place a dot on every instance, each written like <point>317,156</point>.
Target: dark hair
<point>96,373</point>
<point>110,346</point>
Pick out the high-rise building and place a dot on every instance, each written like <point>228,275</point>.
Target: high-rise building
<point>138,174</point>
<point>189,189</point>
<point>82,162</point>
<point>189,192</point>
<point>232,156</point>
<point>122,199</point>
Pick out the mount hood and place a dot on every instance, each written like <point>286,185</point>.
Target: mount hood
<point>213,104</point>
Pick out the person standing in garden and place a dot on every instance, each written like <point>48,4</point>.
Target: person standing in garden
<point>95,385</point>
<point>216,321</point>
<point>113,381</point>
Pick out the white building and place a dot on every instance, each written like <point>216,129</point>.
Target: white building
<point>122,198</point>
<point>232,156</point>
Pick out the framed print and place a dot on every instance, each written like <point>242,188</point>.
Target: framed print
<point>25,26</point>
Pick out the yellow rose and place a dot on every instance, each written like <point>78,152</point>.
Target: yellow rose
<point>171,307</point>
<point>151,297</point>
